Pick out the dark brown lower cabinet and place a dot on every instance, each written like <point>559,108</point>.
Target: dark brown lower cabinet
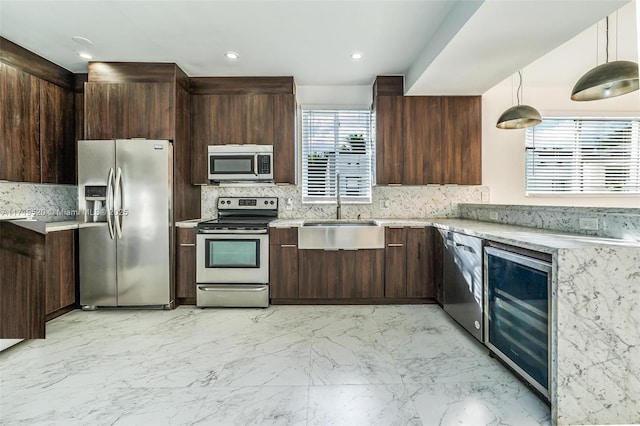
<point>344,274</point>
<point>22,288</point>
<point>420,263</point>
<point>186,265</point>
<point>283,263</point>
<point>409,263</point>
<point>61,289</point>
<point>395,263</point>
<point>438,253</point>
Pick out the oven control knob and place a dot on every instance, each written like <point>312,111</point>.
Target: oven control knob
<point>272,203</point>
<point>266,202</point>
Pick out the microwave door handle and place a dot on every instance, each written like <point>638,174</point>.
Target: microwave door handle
<point>255,164</point>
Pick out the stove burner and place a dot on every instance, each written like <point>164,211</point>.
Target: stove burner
<point>242,213</point>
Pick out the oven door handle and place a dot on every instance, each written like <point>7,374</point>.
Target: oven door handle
<point>235,231</point>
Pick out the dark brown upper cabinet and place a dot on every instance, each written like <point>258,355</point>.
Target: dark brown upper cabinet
<point>129,110</point>
<point>284,138</point>
<point>20,125</point>
<point>37,126</point>
<point>244,110</point>
<point>389,112</point>
<point>424,140</point>
<point>462,140</point>
<point>57,134</point>
<point>388,107</point>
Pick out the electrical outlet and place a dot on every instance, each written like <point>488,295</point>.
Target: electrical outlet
<point>589,223</point>
<point>484,197</point>
<point>384,204</point>
<point>288,205</point>
<point>493,215</point>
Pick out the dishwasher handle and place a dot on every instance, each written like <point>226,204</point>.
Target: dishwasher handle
<point>465,247</point>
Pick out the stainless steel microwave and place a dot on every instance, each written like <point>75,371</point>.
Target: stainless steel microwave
<point>240,163</point>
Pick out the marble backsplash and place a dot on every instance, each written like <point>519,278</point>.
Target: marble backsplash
<point>623,223</point>
<point>49,203</point>
<point>388,201</point>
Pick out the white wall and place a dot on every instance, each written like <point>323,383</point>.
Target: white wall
<point>335,96</point>
<point>549,91</point>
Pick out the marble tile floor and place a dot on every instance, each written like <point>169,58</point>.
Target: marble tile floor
<point>285,365</point>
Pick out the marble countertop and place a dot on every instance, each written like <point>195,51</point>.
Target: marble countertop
<point>192,223</point>
<point>532,238</point>
<point>61,226</point>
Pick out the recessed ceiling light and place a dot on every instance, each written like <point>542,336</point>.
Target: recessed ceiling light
<point>82,40</point>
<point>233,56</point>
<point>85,55</point>
<point>356,56</point>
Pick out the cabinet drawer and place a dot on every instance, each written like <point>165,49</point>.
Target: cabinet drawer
<point>283,235</point>
<point>394,236</point>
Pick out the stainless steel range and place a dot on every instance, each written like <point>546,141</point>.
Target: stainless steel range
<point>232,261</point>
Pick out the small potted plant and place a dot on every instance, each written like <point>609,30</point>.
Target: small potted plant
<point>356,143</point>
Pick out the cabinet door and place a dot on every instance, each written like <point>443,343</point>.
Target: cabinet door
<point>208,127</point>
<point>129,110</point>
<point>57,130</point>
<point>395,263</point>
<point>438,247</point>
<point>422,116</point>
<point>19,126</point>
<point>186,263</point>
<point>390,139</point>
<point>258,115</point>
<point>284,138</point>
<point>420,263</point>
<point>318,273</point>
<point>60,287</point>
<point>283,263</point>
<point>461,140</point>
<point>149,110</point>
<point>103,111</point>
<point>361,275</point>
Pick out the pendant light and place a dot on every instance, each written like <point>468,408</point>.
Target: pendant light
<point>519,116</point>
<point>607,80</point>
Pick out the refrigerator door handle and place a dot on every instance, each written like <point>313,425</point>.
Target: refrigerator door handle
<point>117,212</point>
<point>109,205</point>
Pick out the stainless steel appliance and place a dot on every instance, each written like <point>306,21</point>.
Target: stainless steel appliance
<point>240,163</point>
<point>462,280</point>
<point>232,260</point>
<point>517,305</point>
<point>125,198</point>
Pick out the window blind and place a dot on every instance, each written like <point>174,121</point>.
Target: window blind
<point>583,156</point>
<point>337,143</point>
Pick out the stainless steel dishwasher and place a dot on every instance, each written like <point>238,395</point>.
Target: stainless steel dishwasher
<point>462,280</point>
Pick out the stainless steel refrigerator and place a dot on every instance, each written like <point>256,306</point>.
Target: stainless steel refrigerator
<point>124,197</point>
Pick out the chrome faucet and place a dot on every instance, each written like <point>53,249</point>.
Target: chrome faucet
<point>339,208</point>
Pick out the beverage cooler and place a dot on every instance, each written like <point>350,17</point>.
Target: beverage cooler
<point>517,313</point>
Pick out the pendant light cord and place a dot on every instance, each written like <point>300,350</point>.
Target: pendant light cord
<point>607,39</point>
<point>519,87</point>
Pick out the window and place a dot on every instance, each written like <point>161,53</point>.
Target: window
<point>337,143</point>
<point>583,156</point>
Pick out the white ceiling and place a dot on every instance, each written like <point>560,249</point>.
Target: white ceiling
<point>442,46</point>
